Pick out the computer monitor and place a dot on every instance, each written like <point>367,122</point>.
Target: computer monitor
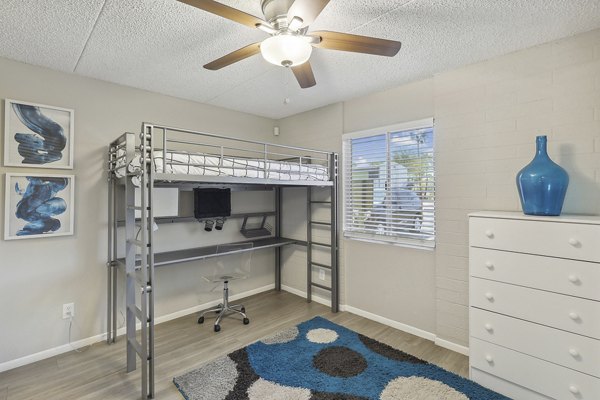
<point>211,203</point>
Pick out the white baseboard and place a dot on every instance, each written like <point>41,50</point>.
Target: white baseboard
<point>390,322</point>
<point>65,348</point>
<point>408,328</point>
<point>316,299</point>
<point>29,359</point>
<point>452,346</point>
<point>386,321</point>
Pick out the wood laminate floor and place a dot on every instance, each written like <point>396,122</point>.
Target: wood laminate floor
<point>182,344</point>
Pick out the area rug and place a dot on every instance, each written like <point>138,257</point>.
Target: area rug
<point>320,360</point>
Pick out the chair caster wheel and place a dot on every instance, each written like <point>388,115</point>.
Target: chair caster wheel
<point>246,321</point>
<point>243,309</point>
<point>217,328</point>
<point>201,320</point>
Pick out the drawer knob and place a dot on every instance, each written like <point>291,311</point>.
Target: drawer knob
<point>574,353</point>
<point>489,296</point>
<point>489,233</point>
<point>574,316</point>
<point>489,358</point>
<point>574,242</point>
<point>488,327</point>
<point>574,279</point>
<point>574,389</point>
<point>489,265</point>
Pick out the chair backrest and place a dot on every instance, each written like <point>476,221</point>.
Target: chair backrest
<point>234,263</point>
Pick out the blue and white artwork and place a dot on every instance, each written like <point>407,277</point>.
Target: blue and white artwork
<point>38,206</point>
<point>38,136</point>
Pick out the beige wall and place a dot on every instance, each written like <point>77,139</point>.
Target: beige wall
<point>319,129</point>
<point>487,116</point>
<point>390,281</point>
<point>38,275</point>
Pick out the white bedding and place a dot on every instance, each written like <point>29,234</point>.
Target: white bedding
<point>202,164</point>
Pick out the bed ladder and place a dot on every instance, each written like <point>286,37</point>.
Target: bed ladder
<point>332,246</point>
<point>139,270</point>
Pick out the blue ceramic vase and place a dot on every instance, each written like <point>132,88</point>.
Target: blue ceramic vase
<point>542,183</point>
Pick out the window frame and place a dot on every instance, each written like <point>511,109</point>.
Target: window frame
<point>399,240</point>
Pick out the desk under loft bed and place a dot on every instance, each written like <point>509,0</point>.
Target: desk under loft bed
<point>162,156</point>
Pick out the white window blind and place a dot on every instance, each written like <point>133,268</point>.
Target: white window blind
<point>389,184</point>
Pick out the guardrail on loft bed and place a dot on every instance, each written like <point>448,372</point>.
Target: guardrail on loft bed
<point>178,151</point>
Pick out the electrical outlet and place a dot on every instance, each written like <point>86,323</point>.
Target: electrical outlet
<point>68,310</point>
<point>321,274</point>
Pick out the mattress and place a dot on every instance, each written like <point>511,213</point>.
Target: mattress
<point>183,163</point>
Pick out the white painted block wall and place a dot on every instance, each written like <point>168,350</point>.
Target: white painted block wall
<point>487,116</point>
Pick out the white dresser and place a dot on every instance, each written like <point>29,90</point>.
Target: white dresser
<point>534,290</point>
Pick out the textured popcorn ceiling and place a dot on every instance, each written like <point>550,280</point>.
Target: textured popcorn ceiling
<point>161,45</point>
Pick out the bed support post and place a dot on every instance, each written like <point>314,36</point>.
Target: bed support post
<point>308,244</point>
<point>139,270</point>
<point>335,294</point>
<point>146,277</point>
<point>111,265</point>
<point>130,251</point>
<point>333,245</point>
<point>278,190</point>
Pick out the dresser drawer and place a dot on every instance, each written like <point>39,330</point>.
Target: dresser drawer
<point>574,351</point>
<point>502,386</point>
<point>567,240</point>
<point>576,278</point>
<point>546,378</point>
<point>572,314</point>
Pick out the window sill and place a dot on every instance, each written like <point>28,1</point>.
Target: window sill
<point>411,244</point>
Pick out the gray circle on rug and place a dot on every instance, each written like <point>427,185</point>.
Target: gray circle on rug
<point>339,362</point>
<point>418,388</point>
<point>262,390</point>
<point>322,336</point>
<point>282,337</point>
<point>211,381</point>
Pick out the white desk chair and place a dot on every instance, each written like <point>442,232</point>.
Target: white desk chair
<point>234,264</point>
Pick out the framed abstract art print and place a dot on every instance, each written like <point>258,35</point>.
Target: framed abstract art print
<point>38,205</point>
<point>38,136</point>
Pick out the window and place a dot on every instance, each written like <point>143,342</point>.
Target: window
<point>389,184</point>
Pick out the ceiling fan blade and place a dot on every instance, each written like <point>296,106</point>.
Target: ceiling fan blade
<point>308,10</point>
<point>304,75</point>
<point>224,11</point>
<point>357,44</point>
<point>234,57</point>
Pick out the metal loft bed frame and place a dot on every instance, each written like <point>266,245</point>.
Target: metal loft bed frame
<point>145,164</point>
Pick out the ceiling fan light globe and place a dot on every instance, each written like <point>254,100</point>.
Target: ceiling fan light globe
<point>286,50</point>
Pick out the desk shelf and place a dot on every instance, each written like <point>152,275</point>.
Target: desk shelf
<point>191,218</point>
<point>201,253</point>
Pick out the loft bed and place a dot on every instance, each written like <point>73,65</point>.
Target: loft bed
<point>162,156</point>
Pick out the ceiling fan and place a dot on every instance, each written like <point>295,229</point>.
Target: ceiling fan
<point>290,44</point>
